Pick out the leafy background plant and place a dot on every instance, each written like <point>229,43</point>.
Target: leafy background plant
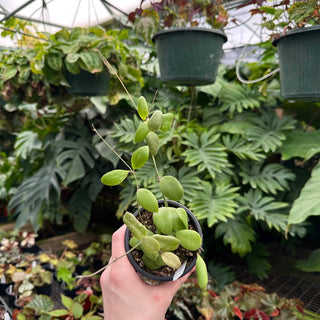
<point>247,160</point>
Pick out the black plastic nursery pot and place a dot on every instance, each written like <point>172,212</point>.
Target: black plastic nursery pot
<point>88,84</point>
<point>11,296</point>
<point>189,56</point>
<point>190,264</point>
<point>299,64</point>
<point>4,286</point>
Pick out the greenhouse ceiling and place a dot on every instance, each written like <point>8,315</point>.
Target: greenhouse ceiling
<point>51,15</point>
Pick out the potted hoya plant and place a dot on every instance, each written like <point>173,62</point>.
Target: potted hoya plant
<point>296,34</point>
<point>163,239</point>
<point>188,37</point>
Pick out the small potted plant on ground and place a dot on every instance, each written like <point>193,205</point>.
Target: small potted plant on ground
<point>296,33</point>
<point>163,239</point>
<point>188,38</point>
<point>42,280</point>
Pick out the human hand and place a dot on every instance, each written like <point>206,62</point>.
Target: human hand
<point>126,296</point>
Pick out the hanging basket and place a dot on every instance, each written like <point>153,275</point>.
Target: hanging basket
<point>189,56</point>
<point>299,57</point>
<point>88,84</point>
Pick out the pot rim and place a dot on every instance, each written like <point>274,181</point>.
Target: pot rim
<point>144,272</point>
<point>190,30</point>
<point>295,32</point>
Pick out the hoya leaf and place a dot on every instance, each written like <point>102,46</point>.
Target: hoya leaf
<point>137,229</point>
<point>163,220</point>
<point>150,244</point>
<point>114,177</point>
<point>140,157</point>
<point>171,260</point>
<point>167,243</point>
<point>189,239</point>
<point>202,273</point>
<point>171,188</point>
<point>147,200</point>
<point>142,108</point>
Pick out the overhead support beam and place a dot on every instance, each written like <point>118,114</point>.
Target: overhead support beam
<point>11,14</point>
<point>41,22</point>
<point>108,4</point>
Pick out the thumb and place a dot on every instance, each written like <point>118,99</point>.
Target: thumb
<point>173,286</point>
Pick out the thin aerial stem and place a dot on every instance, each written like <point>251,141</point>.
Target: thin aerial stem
<point>110,263</point>
<point>158,177</point>
<point>115,152</point>
<point>111,69</point>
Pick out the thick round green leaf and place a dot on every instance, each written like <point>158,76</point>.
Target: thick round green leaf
<point>171,260</point>
<point>143,108</point>
<point>180,219</point>
<point>140,157</point>
<point>137,229</point>
<point>163,220</point>
<point>171,188</point>
<point>167,243</point>
<point>141,132</point>
<point>202,273</point>
<point>147,200</point>
<point>150,244</point>
<point>114,177</point>
<point>153,142</point>
<point>190,239</point>
<point>155,121</point>
<point>150,263</point>
<point>166,121</point>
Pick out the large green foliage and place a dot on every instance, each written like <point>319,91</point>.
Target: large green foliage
<point>247,169</point>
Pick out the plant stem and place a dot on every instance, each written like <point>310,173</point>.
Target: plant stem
<point>115,152</point>
<point>307,315</point>
<point>192,102</point>
<point>111,70</point>
<point>110,263</point>
<point>158,178</point>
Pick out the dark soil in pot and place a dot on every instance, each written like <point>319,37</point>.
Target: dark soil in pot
<point>164,273</point>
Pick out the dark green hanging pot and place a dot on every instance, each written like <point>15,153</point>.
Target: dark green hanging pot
<point>88,84</point>
<point>189,56</point>
<point>299,57</point>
